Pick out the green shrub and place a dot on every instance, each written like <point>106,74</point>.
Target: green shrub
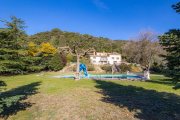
<point>90,67</point>
<point>56,62</point>
<point>32,64</point>
<point>74,59</point>
<point>69,58</point>
<point>156,68</point>
<point>85,61</point>
<point>124,67</point>
<point>135,68</point>
<point>107,68</point>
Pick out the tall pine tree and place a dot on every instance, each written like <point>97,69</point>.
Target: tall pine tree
<point>176,7</point>
<point>11,50</point>
<point>171,43</point>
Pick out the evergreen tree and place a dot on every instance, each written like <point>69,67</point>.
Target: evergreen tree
<point>11,51</point>
<point>56,62</point>
<point>176,7</point>
<point>171,43</point>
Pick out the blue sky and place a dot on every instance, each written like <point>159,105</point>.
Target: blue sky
<point>114,19</point>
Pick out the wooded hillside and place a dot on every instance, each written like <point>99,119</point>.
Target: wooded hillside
<point>60,38</point>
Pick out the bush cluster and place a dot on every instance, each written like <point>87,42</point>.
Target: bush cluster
<point>122,67</point>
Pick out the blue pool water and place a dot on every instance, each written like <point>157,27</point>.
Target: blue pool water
<point>103,76</point>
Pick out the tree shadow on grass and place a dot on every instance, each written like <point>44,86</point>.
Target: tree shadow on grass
<point>168,82</point>
<point>164,82</point>
<point>2,85</point>
<point>12,101</point>
<point>147,104</point>
<point>177,86</point>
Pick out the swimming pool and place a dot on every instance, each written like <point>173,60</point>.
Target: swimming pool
<point>105,76</point>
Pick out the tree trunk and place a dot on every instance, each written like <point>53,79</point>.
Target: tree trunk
<point>112,71</point>
<point>147,73</point>
<point>77,77</point>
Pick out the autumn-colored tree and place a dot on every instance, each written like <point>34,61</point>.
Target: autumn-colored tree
<point>47,49</point>
<point>32,49</point>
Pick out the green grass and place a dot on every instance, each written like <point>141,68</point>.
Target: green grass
<point>43,97</point>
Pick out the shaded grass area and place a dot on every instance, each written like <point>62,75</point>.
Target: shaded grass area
<point>148,104</point>
<point>44,97</point>
<point>11,101</point>
<point>159,79</point>
<point>2,85</point>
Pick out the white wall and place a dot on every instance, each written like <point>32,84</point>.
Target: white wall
<point>111,59</point>
<point>95,60</point>
<point>114,58</point>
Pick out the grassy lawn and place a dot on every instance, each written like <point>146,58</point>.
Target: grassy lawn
<point>44,98</point>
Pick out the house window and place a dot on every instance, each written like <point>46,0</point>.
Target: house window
<point>94,61</point>
<point>112,57</point>
<point>117,58</point>
<point>94,57</point>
